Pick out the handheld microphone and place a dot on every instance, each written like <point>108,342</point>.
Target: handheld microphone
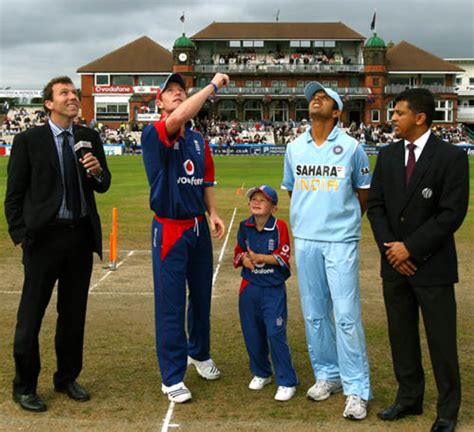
<point>81,148</point>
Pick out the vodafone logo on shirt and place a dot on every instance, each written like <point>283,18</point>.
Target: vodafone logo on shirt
<point>189,167</point>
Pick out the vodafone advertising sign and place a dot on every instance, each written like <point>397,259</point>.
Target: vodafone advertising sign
<point>113,89</point>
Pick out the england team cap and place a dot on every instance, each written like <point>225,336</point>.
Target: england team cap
<point>174,77</point>
<point>269,193</point>
<point>315,86</point>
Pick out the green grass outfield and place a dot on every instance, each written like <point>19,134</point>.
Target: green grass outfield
<point>120,366</point>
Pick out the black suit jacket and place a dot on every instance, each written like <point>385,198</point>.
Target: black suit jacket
<point>34,185</point>
<point>426,213</point>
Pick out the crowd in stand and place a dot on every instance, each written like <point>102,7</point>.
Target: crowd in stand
<point>221,133</point>
<point>322,57</point>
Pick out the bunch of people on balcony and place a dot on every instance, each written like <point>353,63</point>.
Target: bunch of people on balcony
<point>299,57</point>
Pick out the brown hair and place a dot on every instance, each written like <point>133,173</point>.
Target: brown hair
<point>48,89</point>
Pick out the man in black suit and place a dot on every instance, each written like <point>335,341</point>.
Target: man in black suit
<point>51,212</point>
<point>418,199</point>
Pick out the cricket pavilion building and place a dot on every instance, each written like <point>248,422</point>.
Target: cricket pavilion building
<point>269,65</point>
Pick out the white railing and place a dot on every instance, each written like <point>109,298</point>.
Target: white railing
<point>277,68</point>
<point>283,91</point>
<point>398,88</point>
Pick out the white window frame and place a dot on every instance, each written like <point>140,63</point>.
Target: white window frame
<point>235,44</point>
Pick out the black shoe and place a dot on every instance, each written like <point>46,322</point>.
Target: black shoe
<point>74,391</point>
<point>397,411</point>
<point>443,425</point>
<point>30,402</point>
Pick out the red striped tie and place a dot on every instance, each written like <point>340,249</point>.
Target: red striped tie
<point>410,163</point>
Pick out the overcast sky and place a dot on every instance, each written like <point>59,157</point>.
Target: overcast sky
<point>40,39</point>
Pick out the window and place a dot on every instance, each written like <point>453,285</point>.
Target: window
<point>257,83</point>
<point>253,110</point>
<point>104,107</point>
<point>279,110</point>
<point>102,80</point>
<point>248,83</point>
<point>294,44</point>
<point>435,81</point>
<point>122,80</point>
<point>247,43</point>
<point>151,80</point>
<point>334,84</point>
<point>231,83</point>
<point>458,81</point>
<point>324,43</point>
<point>471,81</point>
<point>301,109</point>
<point>305,44</point>
<point>299,83</point>
<point>234,44</point>
<point>275,83</point>
<point>390,110</point>
<point>258,44</point>
<point>444,111</point>
<point>325,83</point>
<point>283,84</point>
<point>227,110</point>
<point>375,115</point>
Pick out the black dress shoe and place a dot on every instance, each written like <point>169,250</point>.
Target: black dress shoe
<point>74,391</point>
<point>443,425</point>
<point>30,402</point>
<point>397,411</point>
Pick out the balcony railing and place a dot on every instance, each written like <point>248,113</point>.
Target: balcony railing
<point>278,68</point>
<point>283,91</point>
<point>398,88</point>
<point>466,114</point>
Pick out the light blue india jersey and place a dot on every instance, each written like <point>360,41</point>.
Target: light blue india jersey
<point>323,180</point>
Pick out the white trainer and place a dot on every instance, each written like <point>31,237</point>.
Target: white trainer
<point>207,368</point>
<point>284,394</point>
<point>356,408</point>
<point>258,383</point>
<point>178,393</point>
<point>323,389</point>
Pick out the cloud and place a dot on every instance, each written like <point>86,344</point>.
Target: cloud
<point>44,38</point>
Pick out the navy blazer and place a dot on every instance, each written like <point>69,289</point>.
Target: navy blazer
<point>34,186</point>
<point>426,213</point>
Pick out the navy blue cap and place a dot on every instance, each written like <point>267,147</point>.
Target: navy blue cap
<point>315,86</point>
<point>174,77</point>
<point>269,193</point>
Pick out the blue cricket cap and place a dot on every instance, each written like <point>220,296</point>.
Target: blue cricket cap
<point>269,193</point>
<point>315,86</point>
<point>174,77</point>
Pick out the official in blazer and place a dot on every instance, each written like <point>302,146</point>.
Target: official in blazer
<point>418,199</point>
<point>51,212</point>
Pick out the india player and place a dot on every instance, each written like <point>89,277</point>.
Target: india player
<point>327,175</point>
<point>180,172</point>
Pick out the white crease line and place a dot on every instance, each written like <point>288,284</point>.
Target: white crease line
<point>121,293</point>
<point>110,271</point>
<point>216,272</point>
<point>166,421</point>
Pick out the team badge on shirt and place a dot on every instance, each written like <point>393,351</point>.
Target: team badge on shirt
<point>189,167</point>
<point>338,150</point>
<point>271,244</point>
<point>197,146</point>
<point>427,193</point>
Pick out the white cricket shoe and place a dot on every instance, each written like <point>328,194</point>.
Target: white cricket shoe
<point>356,408</point>
<point>207,368</point>
<point>284,394</point>
<point>178,393</point>
<point>258,383</point>
<point>323,389</point>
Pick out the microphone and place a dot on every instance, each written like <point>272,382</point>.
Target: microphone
<point>81,148</point>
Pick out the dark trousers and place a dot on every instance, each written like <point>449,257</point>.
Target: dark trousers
<point>263,317</point>
<point>182,253</point>
<point>64,254</point>
<point>438,308</point>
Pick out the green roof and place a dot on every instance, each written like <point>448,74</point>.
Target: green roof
<point>375,42</point>
<point>183,42</point>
